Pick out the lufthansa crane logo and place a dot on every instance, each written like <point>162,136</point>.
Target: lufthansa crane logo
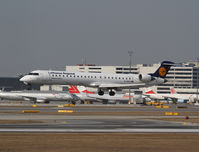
<point>162,71</point>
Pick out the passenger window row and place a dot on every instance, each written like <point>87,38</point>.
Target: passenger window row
<point>105,77</point>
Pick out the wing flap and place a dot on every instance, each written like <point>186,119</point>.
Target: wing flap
<point>33,98</point>
<point>95,96</point>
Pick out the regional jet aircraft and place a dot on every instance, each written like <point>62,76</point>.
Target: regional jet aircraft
<point>101,81</point>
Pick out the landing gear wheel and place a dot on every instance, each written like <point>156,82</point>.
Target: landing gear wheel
<point>100,92</point>
<point>111,93</point>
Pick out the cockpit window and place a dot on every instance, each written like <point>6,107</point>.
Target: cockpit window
<point>33,74</point>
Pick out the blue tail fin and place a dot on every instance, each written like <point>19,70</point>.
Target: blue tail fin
<point>163,69</point>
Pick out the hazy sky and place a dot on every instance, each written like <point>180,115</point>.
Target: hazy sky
<point>49,34</point>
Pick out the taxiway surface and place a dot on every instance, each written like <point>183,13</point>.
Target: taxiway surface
<point>94,118</point>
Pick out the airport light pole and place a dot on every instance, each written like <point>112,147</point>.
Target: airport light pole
<point>130,63</point>
<point>197,80</point>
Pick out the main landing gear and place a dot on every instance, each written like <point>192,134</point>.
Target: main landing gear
<point>101,92</point>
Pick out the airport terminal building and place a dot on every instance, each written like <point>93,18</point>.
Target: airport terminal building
<point>184,77</point>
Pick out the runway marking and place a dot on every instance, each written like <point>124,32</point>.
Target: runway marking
<point>64,122</point>
<point>105,130</point>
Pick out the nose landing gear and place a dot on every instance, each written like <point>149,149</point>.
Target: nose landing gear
<point>29,87</point>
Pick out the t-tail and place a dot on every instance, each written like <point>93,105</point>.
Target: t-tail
<point>163,69</point>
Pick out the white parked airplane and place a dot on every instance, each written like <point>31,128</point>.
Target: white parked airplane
<point>149,93</point>
<point>103,82</point>
<point>173,96</point>
<point>37,96</point>
<point>184,97</point>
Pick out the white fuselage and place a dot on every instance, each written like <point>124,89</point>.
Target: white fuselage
<point>36,96</point>
<point>87,79</point>
<point>183,97</point>
<point>117,97</point>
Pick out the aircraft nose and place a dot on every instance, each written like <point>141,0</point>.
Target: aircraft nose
<point>24,79</point>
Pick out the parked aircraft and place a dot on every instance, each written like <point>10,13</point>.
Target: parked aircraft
<point>184,97</point>
<point>149,93</point>
<point>83,94</point>
<point>173,96</point>
<point>110,82</point>
<point>38,96</point>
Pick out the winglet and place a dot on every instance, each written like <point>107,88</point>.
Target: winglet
<point>73,89</point>
<point>172,91</point>
<point>150,92</point>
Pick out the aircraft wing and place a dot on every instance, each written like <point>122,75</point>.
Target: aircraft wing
<point>33,98</point>
<point>160,96</point>
<point>153,96</point>
<point>106,97</point>
<point>121,86</point>
<point>174,96</point>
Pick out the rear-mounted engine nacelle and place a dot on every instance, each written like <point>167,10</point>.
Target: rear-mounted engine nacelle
<point>145,78</point>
